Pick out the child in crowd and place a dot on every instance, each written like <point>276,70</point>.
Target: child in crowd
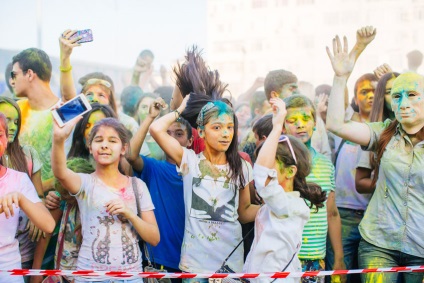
<point>282,185</point>
<point>300,123</point>
<point>216,185</point>
<point>16,193</point>
<point>166,188</point>
<point>23,159</point>
<point>106,200</point>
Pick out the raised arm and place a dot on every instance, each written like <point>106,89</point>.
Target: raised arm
<point>68,178</point>
<point>343,63</point>
<point>137,140</point>
<point>269,148</point>
<point>67,87</point>
<point>247,95</point>
<point>159,128</point>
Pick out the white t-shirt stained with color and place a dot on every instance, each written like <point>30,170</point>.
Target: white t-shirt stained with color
<point>109,241</point>
<point>212,229</point>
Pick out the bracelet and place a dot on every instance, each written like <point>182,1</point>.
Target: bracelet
<point>177,119</point>
<point>64,70</point>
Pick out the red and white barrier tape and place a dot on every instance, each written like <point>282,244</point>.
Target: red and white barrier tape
<point>128,274</point>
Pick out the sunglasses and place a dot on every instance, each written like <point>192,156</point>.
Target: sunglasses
<point>284,138</point>
<point>98,82</point>
<point>13,74</point>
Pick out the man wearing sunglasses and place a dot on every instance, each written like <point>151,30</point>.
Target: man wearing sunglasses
<point>30,79</point>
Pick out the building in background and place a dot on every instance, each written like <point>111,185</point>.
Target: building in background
<point>247,38</point>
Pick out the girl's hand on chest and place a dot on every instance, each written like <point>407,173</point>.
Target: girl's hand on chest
<point>118,207</point>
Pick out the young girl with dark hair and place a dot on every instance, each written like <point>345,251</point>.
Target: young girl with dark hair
<point>83,128</point>
<point>281,182</point>
<point>16,193</point>
<point>23,159</point>
<point>107,201</point>
<point>216,192</point>
<point>390,229</point>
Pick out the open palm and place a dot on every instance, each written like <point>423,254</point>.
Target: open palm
<point>341,60</point>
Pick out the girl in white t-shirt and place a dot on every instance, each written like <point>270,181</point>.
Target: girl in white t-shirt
<point>281,183</point>
<point>107,201</point>
<point>16,193</point>
<point>216,186</point>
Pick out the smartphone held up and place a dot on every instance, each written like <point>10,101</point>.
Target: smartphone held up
<point>75,107</point>
<point>86,34</point>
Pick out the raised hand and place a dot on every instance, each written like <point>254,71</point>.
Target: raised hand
<point>67,44</point>
<point>156,106</point>
<point>341,60</point>
<point>382,70</point>
<point>279,112</point>
<point>321,102</point>
<point>63,133</point>
<point>365,35</point>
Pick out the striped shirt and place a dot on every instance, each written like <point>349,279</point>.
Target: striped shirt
<point>314,237</point>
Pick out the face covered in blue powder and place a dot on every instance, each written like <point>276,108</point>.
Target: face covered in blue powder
<point>408,100</point>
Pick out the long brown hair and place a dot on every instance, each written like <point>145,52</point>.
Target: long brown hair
<point>379,111</point>
<point>16,155</point>
<point>309,191</point>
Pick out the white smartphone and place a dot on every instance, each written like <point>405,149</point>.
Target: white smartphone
<point>78,105</point>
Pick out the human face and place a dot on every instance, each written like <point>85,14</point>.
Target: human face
<point>107,147</point>
<point>300,123</point>
<point>407,100</point>
<point>144,63</point>
<point>364,97</point>
<point>93,119</point>
<point>143,108</point>
<point>18,80</point>
<point>387,94</point>
<point>219,132</point>
<point>3,140</point>
<point>243,115</point>
<point>99,94</point>
<point>179,132</point>
<point>12,120</point>
<point>288,90</point>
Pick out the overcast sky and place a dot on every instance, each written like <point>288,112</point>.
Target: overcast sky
<point>121,28</point>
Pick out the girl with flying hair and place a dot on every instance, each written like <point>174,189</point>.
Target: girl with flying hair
<point>216,181</point>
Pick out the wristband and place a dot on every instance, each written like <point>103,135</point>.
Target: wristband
<point>65,70</point>
<point>177,119</point>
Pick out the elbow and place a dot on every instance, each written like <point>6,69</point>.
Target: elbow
<point>50,225</point>
<point>155,239</point>
<point>153,130</point>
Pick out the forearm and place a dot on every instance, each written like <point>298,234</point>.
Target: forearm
<point>176,99</point>
<point>135,78</point>
<point>336,110</point>
<point>249,213</point>
<point>149,232</point>
<point>67,87</point>
<point>38,184</point>
<point>138,139</point>
<point>38,214</point>
<point>269,148</point>
<point>363,181</point>
<point>58,159</point>
<point>335,234</point>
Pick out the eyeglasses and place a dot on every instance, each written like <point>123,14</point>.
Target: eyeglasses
<point>284,138</point>
<point>98,81</point>
<point>13,74</point>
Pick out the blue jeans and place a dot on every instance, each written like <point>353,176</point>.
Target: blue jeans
<point>350,239</point>
<point>371,256</point>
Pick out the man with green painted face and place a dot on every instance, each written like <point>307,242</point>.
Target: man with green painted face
<point>282,84</point>
<point>30,79</point>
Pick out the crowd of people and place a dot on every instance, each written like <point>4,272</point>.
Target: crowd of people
<point>190,179</point>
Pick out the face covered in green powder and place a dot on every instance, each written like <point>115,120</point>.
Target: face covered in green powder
<point>12,120</point>
<point>407,100</point>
